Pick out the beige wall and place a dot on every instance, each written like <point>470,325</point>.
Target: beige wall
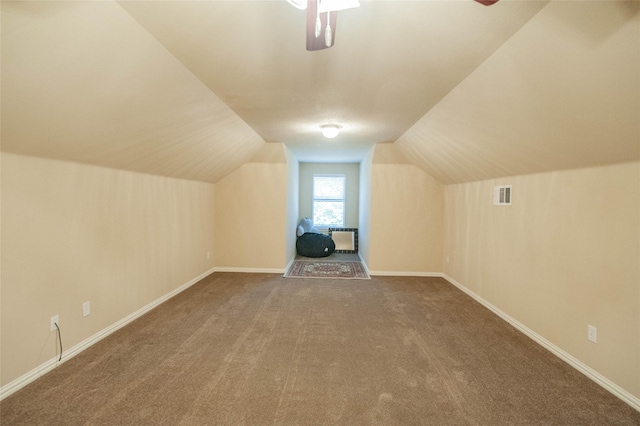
<point>352,198</point>
<point>293,203</point>
<point>73,233</point>
<point>406,220</point>
<point>251,218</point>
<point>565,255</point>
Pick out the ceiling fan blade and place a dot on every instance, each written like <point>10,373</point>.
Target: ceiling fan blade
<point>319,43</point>
<point>487,2</point>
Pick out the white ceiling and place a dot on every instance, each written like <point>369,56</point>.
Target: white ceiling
<point>193,89</point>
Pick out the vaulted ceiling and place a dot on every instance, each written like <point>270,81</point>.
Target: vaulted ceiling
<point>194,89</point>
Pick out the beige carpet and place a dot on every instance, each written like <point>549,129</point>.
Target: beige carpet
<point>261,349</point>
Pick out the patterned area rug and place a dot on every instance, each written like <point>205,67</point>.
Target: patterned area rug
<point>319,269</point>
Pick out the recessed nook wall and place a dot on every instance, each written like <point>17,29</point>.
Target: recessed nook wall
<point>352,173</point>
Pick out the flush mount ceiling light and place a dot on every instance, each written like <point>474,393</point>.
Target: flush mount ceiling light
<point>330,131</point>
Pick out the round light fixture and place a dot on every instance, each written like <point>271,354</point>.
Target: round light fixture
<point>330,130</point>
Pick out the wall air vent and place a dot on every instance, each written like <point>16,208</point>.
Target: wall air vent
<point>502,195</point>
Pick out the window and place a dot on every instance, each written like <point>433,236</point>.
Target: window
<point>328,200</point>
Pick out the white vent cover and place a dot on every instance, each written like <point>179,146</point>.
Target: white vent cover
<point>502,195</point>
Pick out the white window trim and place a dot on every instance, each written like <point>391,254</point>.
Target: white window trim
<point>343,200</point>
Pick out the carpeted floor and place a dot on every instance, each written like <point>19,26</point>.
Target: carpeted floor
<point>260,349</point>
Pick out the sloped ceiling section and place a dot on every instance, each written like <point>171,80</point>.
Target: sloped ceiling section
<point>392,62</point>
<point>562,93</point>
<point>83,81</point>
<point>193,89</point>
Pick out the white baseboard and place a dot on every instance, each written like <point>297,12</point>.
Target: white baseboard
<point>250,270</point>
<point>366,267</point>
<point>405,274</point>
<point>286,268</point>
<point>607,384</point>
<point>47,366</point>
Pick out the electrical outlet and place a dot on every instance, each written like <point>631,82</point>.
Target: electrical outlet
<point>52,323</point>
<point>592,333</point>
<point>208,255</point>
<point>447,259</point>
<point>86,308</point>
